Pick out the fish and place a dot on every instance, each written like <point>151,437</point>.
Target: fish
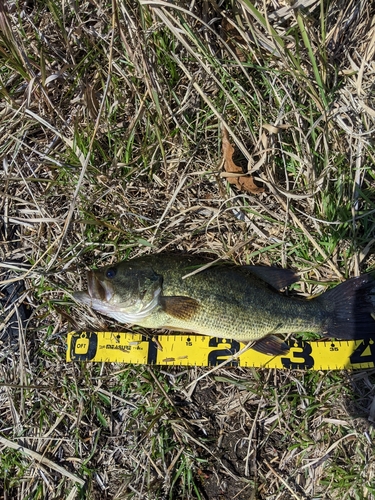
<point>245,303</point>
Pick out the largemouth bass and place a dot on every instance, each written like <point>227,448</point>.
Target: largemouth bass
<point>227,301</point>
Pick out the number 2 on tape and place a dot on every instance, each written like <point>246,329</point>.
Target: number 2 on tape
<point>217,356</point>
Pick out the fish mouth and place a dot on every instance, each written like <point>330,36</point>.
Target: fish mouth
<point>96,290</point>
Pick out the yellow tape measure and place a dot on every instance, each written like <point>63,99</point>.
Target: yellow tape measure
<point>197,350</point>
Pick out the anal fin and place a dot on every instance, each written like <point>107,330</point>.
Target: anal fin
<point>271,345</point>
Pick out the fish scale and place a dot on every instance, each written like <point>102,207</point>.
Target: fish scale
<point>249,309</point>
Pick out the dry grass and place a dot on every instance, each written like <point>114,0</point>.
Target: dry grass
<point>110,140</point>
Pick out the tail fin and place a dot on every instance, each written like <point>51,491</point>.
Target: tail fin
<point>351,306</point>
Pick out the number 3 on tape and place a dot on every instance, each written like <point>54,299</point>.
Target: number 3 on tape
<point>301,356</point>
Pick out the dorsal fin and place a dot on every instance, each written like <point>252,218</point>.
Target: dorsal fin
<point>277,277</point>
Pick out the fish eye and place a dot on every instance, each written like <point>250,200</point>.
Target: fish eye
<point>110,273</point>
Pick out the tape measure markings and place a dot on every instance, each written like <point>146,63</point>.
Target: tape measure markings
<point>197,350</point>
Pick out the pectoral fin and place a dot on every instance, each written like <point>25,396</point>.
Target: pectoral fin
<point>277,277</point>
<point>179,307</point>
<point>271,345</point>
